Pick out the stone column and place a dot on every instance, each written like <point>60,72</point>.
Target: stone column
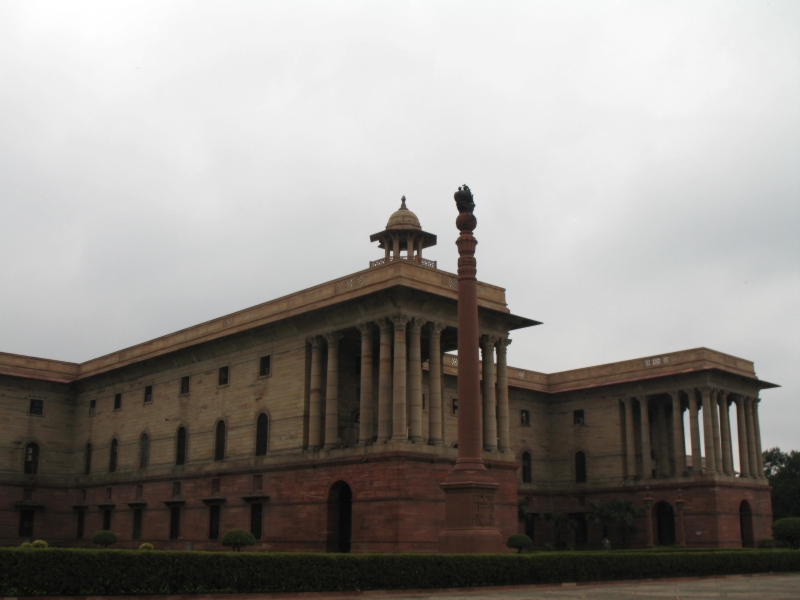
<point>399,378</point>
<point>714,406</point>
<point>385,382</point>
<point>489,399</point>
<point>694,431</point>
<point>503,420</point>
<point>315,440</point>
<point>678,448</point>
<point>435,385</point>
<point>741,421</point>
<point>648,504</point>
<point>415,379</point>
<point>365,406</point>
<point>395,247</point>
<point>757,430</point>
<point>647,460</point>
<point>419,250</point>
<point>630,443</point>
<point>387,253</point>
<point>681,529</point>
<point>663,441</point>
<point>751,438</point>
<point>332,392</point>
<point>725,427</point>
<point>708,430</point>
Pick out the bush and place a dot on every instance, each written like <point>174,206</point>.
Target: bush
<point>147,547</point>
<point>519,541</point>
<point>104,538</point>
<point>39,544</point>
<point>787,531</point>
<point>26,545</point>
<point>237,538</point>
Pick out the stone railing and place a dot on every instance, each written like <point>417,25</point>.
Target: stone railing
<point>420,261</point>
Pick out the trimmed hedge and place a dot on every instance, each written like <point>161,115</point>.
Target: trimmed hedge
<point>78,572</point>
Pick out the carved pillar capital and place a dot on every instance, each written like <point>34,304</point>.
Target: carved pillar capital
<point>314,341</point>
<point>384,324</point>
<point>417,323</point>
<point>435,328</point>
<point>365,329</point>
<point>333,337</point>
<point>488,341</point>
<point>503,342</point>
<point>400,322</point>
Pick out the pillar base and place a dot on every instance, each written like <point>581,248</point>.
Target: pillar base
<point>470,523</point>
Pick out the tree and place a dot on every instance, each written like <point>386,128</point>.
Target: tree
<point>783,473</point>
<point>787,531</point>
<point>104,538</point>
<point>563,524</point>
<point>519,541</point>
<point>237,538</point>
<point>618,513</point>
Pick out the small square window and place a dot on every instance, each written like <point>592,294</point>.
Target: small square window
<point>184,385</point>
<point>265,366</point>
<point>454,407</point>
<point>92,405</point>
<point>577,417</point>
<point>117,401</point>
<point>215,485</point>
<point>525,418</point>
<point>176,488</point>
<point>37,407</point>
<point>148,394</point>
<point>223,376</point>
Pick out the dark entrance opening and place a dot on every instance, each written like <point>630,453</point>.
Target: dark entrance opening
<point>746,524</point>
<point>340,517</point>
<point>665,524</point>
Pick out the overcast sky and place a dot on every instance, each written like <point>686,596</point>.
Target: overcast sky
<point>636,168</point>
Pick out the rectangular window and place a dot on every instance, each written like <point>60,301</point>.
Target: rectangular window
<point>184,385</point>
<point>109,491</point>
<point>92,405</point>
<point>107,519</point>
<point>530,526</point>
<point>223,376</point>
<point>26,523</point>
<point>256,519</point>
<point>81,524</point>
<point>83,495</point>
<point>525,418</point>
<point>37,407</point>
<point>137,523</point>
<point>117,401</point>
<point>148,394</point>
<point>174,522</point>
<point>215,485</point>
<point>213,522</point>
<point>577,417</point>
<point>258,482</point>
<point>454,408</point>
<point>139,491</point>
<point>176,488</point>
<point>265,366</point>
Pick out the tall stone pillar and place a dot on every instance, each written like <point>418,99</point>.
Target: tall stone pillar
<point>725,432</point>
<point>678,448</point>
<point>741,421</point>
<point>489,398</point>
<point>395,247</point>
<point>332,392</point>
<point>694,431</point>
<point>399,379</point>
<point>315,440</point>
<point>708,430</point>
<point>751,437</point>
<point>714,406</point>
<point>757,430</point>
<point>648,504</point>
<point>435,385</point>
<point>470,521</point>
<point>503,419</point>
<point>387,252</point>
<point>385,382</point>
<point>647,458</point>
<point>630,443</point>
<point>415,378</point>
<point>365,405</point>
<point>663,440</point>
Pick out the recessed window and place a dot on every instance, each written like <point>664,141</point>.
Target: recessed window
<point>213,522</point>
<point>256,519</point>
<point>577,417</point>
<point>139,491</point>
<point>32,458</point>
<point>180,451</point>
<point>81,524</point>
<point>117,401</point>
<point>92,406</point>
<point>526,467</point>
<point>265,366</point>
<point>36,407</point>
<point>83,494</point>
<point>215,485</point>
<point>176,488</point>
<point>26,517</point>
<point>454,407</point>
<point>144,450</point>
<point>525,418</point>
<point>219,441</point>
<point>87,459</point>
<point>580,467</point>
<point>112,456</point>
<point>223,376</point>
<point>137,523</point>
<point>148,394</point>
<point>109,491</point>
<point>174,522</point>
<point>258,482</point>
<point>184,385</point>
<point>262,431</point>
<point>107,519</point>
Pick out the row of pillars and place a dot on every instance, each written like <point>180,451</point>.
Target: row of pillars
<point>400,386</point>
<point>669,437</point>
<point>391,246</point>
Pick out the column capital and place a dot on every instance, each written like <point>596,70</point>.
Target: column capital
<point>315,341</point>
<point>488,340</point>
<point>365,329</point>
<point>503,342</point>
<point>436,328</point>
<point>675,394</point>
<point>400,322</point>
<point>417,324</point>
<point>333,337</point>
<point>384,324</point>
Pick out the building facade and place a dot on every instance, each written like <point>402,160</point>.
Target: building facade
<point>327,420</point>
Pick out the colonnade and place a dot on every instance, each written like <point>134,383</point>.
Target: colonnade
<point>400,389</point>
<point>412,241</point>
<point>658,435</point>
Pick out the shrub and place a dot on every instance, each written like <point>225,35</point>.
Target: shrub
<point>237,538</point>
<point>104,538</point>
<point>519,541</point>
<point>788,531</point>
<point>39,544</point>
<point>146,547</point>
<point>26,545</point>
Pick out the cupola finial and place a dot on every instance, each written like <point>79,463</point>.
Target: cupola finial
<point>403,203</point>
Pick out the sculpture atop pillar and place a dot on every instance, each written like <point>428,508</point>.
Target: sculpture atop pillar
<point>470,520</point>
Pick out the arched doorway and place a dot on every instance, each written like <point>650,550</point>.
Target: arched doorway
<point>746,524</point>
<point>665,524</point>
<point>340,517</point>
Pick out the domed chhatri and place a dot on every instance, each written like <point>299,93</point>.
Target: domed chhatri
<point>404,234</point>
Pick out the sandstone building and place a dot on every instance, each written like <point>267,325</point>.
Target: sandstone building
<point>326,420</point>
